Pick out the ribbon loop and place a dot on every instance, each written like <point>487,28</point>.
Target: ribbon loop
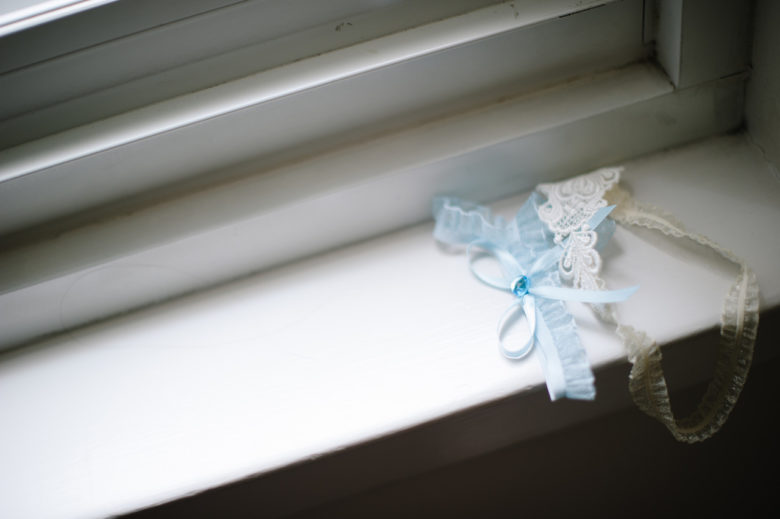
<point>509,265</point>
<point>527,307</point>
<point>518,282</point>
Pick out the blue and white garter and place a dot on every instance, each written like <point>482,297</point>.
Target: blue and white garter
<point>549,254</point>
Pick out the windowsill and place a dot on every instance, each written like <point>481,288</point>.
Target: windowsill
<point>357,344</point>
<point>213,235</point>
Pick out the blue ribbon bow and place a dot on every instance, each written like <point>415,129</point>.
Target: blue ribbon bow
<point>521,283</point>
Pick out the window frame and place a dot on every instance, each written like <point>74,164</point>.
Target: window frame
<point>41,264</point>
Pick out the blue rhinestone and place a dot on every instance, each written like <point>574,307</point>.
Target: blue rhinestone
<point>520,286</point>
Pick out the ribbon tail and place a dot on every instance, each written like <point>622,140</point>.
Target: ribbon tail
<point>565,366</point>
<point>583,296</point>
<point>599,216</point>
<point>551,361</point>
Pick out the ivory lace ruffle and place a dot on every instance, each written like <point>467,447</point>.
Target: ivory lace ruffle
<point>739,324</point>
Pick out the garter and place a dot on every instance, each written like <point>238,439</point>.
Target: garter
<point>549,254</point>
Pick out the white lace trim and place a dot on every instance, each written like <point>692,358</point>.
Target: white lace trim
<point>738,328</point>
<point>570,204</point>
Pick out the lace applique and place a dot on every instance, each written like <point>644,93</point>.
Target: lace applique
<point>569,207</point>
<point>580,263</point>
<point>571,203</point>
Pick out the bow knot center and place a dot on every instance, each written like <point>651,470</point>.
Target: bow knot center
<point>520,286</point>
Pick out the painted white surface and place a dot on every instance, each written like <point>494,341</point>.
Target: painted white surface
<point>139,52</point>
<point>219,234</point>
<point>331,351</point>
<point>281,81</point>
<point>16,15</point>
<point>304,108</point>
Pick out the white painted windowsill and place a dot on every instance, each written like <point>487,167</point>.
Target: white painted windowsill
<point>345,347</point>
